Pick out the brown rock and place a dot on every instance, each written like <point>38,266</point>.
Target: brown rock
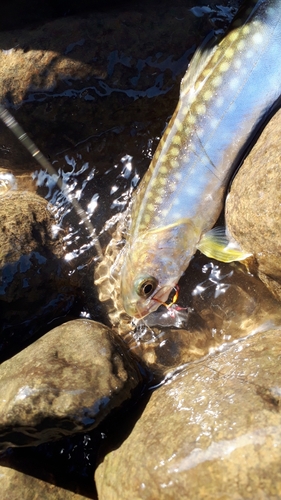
<point>253,207</point>
<point>35,284</point>
<point>212,432</point>
<point>65,382</point>
<point>107,77</point>
<point>26,227</point>
<point>18,486</point>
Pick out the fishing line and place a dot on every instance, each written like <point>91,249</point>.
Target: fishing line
<point>21,135</point>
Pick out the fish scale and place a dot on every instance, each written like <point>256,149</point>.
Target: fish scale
<point>227,94</point>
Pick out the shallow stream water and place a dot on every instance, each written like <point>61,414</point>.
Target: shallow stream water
<point>125,112</point>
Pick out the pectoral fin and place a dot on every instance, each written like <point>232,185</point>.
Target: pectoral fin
<point>216,245</point>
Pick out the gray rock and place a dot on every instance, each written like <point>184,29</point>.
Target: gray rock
<point>18,486</point>
<point>66,382</point>
<point>212,432</point>
<point>253,207</point>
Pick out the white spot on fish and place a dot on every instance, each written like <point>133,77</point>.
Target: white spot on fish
<point>178,124</point>
<point>174,151</point>
<point>246,29</point>
<point>241,44</point>
<point>233,36</point>
<point>233,83</point>
<point>158,200</point>
<point>229,53</point>
<point>178,176</point>
<point>249,54</point>
<point>219,101</point>
<point>214,123</point>
<point>201,109</point>
<point>176,139</point>
<point>257,38</point>
<point>224,66</point>
<point>174,163</point>
<point>237,63</point>
<point>207,95</point>
<point>191,119</point>
<point>217,81</point>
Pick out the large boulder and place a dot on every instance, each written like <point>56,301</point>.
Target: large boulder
<point>15,485</point>
<point>64,383</point>
<point>253,206</point>
<point>211,433</point>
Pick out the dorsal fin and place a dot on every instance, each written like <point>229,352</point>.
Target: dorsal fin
<point>199,61</point>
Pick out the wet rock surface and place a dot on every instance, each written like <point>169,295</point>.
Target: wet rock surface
<point>15,485</point>
<point>95,93</point>
<point>64,383</point>
<point>100,78</point>
<point>34,277</point>
<point>225,303</point>
<point>212,432</point>
<point>253,207</point>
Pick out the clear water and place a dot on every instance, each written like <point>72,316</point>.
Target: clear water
<point>218,303</point>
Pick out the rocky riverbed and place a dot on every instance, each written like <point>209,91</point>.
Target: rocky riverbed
<point>93,405</point>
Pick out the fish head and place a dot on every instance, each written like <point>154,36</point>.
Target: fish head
<point>153,265</point>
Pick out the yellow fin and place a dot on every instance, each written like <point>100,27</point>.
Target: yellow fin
<point>216,245</point>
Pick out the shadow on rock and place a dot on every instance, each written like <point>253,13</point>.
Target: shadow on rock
<point>35,281</point>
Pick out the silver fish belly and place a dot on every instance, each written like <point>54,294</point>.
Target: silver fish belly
<point>227,93</point>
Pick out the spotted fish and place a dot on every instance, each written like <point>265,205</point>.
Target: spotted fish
<point>229,90</point>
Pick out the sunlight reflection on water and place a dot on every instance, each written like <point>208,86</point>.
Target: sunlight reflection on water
<point>218,303</point>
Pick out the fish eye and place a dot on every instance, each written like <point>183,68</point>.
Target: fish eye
<point>146,286</point>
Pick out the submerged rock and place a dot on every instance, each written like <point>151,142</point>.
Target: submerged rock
<point>66,382</point>
<point>212,432</point>
<point>253,207</point>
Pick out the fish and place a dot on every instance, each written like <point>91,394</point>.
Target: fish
<point>230,89</point>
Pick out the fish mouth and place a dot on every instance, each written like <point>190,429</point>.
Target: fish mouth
<point>162,295</point>
<point>139,311</point>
